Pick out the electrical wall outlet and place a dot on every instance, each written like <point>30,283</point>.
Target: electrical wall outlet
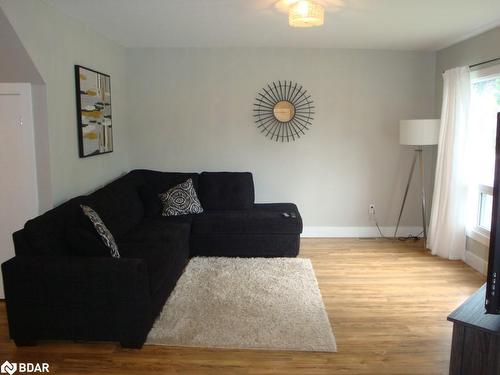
<point>371,209</point>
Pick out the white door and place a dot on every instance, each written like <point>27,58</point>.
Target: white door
<point>18,187</point>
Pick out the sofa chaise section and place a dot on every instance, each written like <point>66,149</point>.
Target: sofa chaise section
<point>261,231</point>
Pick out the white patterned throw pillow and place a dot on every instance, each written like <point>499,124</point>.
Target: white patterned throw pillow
<point>102,230</point>
<point>181,200</point>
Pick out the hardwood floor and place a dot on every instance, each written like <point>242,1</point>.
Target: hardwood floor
<point>387,302</point>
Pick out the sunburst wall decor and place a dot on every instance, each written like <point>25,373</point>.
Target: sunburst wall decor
<point>283,111</point>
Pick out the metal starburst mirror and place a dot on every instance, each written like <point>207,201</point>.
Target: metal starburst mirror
<point>283,111</point>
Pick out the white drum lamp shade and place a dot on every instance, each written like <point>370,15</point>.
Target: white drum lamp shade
<point>419,132</point>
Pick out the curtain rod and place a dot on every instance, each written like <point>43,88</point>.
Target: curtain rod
<point>481,63</point>
<point>484,62</point>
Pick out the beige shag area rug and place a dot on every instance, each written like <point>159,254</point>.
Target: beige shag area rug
<point>252,303</point>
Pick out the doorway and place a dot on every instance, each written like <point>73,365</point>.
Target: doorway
<point>19,193</point>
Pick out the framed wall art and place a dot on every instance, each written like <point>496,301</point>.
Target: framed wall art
<point>93,106</point>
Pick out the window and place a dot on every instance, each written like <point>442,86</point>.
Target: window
<point>485,206</point>
<point>485,103</point>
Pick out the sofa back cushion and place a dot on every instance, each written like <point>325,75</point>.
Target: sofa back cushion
<point>46,234</point>
<point>118,205</point>
<point>83,238</point>
<point>226,190</point>
<point>155,183</point>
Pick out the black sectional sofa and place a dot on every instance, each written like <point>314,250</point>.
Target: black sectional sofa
<point>59,286</point>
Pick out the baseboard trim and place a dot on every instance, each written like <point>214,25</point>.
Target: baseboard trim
<point>479,264</point>
<point>358,231</point>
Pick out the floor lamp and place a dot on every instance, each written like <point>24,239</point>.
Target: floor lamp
<point>417,133</point>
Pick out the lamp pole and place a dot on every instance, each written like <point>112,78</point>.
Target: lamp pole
<point>416,155</point>
<point>422,181</point>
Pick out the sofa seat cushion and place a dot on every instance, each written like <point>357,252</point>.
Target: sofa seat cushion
<point>158,230</point>
<point>163,259</point>
<point>262,218</point>
<point>157,257</point>
<point>179,219</point>
<point>163,245</point>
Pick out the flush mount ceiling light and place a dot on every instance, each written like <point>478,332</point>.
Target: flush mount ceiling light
<point>306,13</point>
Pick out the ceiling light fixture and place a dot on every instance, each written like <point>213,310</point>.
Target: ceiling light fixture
<point>306,13</point>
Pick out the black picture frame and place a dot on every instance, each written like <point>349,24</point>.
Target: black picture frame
<point>93,112</point>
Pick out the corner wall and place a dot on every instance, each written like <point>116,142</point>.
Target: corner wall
<point>55,43</point>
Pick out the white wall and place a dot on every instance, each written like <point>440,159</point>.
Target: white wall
<point>191,110</point>
<point>55,44</point>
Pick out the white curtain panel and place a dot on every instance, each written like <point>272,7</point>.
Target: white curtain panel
<point>449,206</point>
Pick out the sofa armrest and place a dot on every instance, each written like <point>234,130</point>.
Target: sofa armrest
<point>77,298</point>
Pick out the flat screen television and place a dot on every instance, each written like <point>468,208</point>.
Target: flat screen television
<point>492,292</point>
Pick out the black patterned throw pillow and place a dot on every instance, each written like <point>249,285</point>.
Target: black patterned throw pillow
<point>181,200</point>
<point>102,230</point>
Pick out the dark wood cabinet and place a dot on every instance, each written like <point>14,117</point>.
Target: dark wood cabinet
<point>475,348</point>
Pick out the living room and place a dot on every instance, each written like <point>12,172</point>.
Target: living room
<point>248,186</point>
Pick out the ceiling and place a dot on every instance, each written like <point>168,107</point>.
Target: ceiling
<point>370,24</point>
